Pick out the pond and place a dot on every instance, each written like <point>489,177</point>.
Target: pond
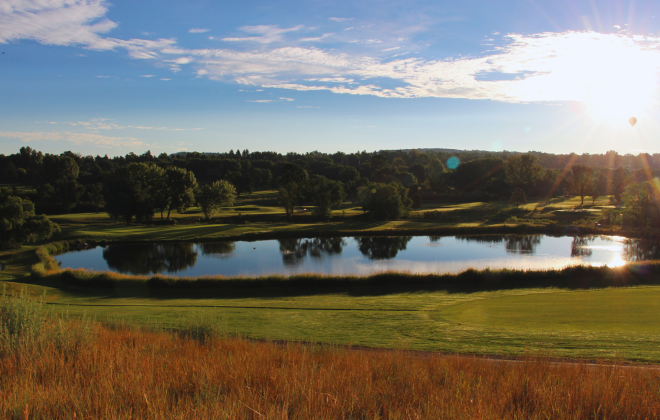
<point>362,255</point>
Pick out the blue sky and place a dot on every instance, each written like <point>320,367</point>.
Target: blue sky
<point>112,77</point>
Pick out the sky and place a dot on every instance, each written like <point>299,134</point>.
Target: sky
<point>113,77</point>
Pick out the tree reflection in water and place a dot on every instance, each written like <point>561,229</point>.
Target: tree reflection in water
<point>150,258</point>
<point>221,249</point>
<point>295,250</point>
<point>382,247</point>
<point>514,244</point>
<point>580,246</point>
<point>640,250</point>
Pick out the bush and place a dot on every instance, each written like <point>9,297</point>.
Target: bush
<point>201,326</point>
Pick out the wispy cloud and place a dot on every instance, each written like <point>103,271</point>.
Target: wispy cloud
<point>551,66</point>
<point>147,75</point>
<point>266,34</point>
<point>97,124</point>
<point>69,22</point>
<point>75,138</point>
<point>318,38</point>
<point>540,67</point>
<point>197,30</point>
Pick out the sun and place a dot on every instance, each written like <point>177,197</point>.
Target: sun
<point>622,86</point>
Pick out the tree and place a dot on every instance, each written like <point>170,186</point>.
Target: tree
<point>638,199</point>
<point>518,197</point>
<point>19,224</point>
<point>325,194</point>
<point>129,193</point>
<point>436,175</point>
<point>292,185</point>
<point>211,197</point>
<point>583,179</point>
<point>419,171</point>
<point>182,186</point>
<point>484,174</point>
<point>173,188</point>
<point>594,191</point>
<point>522,171</point>
<point>95,195</point>
<point>385,201</point>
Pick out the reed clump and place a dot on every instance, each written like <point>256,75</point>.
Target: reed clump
<point>128,373</point>
<point>26,327</point>
<point>575,277</point>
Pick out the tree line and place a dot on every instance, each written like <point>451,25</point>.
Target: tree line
<point>387,184</point>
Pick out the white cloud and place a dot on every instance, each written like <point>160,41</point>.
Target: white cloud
<point>181,60</point>
<point>96,124</point>
<point>198,31</point>
<point>102,77</point>
<point>318,38</point>
<point>147,75</point>
<point>540,67</point>
<point>69,22</point>
<point>75,138</point>
<point>262,101</point>
<point>287,99</point>
<point>266,34</point>
<point>391,49</point>
<point>336,19</point>
<point>165,79</point>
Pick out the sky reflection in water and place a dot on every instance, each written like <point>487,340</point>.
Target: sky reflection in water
<point>363,255</point>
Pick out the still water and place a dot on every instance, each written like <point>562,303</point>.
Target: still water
<point>362,255</point>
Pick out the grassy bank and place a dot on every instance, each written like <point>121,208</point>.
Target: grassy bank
<point>128,373</point>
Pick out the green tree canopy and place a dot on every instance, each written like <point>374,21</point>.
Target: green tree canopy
<point>211,197</point>
<point>292,186</point>
<point>523,171</point>
<point>173,188</point>
<point>19,224</point>
<point>385,201</point>
<point>436,175</point>
<point>129,192</point>
<point>583,179</point>
<point>638,200</point>
<point>518,197</point>
<point>325,194</point>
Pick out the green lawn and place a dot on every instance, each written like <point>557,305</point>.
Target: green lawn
<point>633,310</point>
<point>599,323</point>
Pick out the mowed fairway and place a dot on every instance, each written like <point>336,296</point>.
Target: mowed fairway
<point>635,310</point>
<point>599,323</point>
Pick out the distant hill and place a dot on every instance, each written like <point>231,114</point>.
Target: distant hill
<point>436,150</point>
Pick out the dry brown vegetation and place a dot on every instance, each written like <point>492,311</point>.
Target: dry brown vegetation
<point>126,373</point>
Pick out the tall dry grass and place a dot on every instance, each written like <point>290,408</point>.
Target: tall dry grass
<point>124,373</point>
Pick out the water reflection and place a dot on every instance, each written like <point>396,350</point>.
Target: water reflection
<point>218,249</point>
<point>514,244</point>
<point>382,247</point>
<point>362,255</point>
<point>640,250</point>
<point>295,250</point>
<point>580,246</point>
<point>150,258</point>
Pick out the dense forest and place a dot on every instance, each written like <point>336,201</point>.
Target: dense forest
<point>70,182</point>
